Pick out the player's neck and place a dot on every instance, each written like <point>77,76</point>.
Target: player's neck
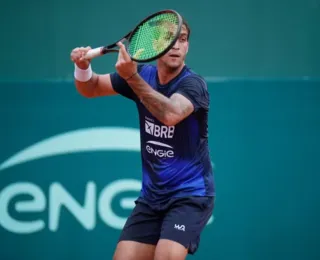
<point>166,74</point>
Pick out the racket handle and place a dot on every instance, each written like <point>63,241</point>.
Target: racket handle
<point>93,53</point>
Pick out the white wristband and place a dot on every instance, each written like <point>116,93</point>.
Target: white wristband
<point>82,75</point>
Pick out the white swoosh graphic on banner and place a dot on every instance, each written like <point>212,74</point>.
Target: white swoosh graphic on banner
<point>83,140</point>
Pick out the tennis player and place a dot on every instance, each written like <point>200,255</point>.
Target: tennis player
<point>178,191</point>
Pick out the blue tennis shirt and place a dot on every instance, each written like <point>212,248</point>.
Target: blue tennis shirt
<point>175,159</point>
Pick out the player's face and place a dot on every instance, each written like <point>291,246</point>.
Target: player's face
<point>174,58</point>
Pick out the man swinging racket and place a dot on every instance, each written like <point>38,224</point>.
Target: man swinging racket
<point>178,191</point>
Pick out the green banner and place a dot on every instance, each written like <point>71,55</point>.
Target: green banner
<point>70,170</point>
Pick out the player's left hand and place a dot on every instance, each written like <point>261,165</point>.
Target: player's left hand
<point>125,66</point>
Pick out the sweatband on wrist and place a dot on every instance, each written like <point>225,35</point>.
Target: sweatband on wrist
<point>82,75</point>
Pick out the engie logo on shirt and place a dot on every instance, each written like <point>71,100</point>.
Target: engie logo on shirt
<point>160,149</point>
<point>162,131</point>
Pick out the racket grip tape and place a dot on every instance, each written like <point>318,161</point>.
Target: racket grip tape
<point>93,53</point>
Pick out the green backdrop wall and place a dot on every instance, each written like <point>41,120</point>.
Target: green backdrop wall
<point>70,168</point>
<point>274,38</point>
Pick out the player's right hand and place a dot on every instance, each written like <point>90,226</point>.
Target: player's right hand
<point>77,56</point>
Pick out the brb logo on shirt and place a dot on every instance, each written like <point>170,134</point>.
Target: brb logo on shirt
<point>162,131</point>
<point>157,148</point>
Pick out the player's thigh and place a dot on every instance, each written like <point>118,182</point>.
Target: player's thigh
<point>132,250</point>
<point>183,224</point>
<point>170,250</point>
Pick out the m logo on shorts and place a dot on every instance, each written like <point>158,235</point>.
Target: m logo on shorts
<point>162,131</point>
<point>180,227</point>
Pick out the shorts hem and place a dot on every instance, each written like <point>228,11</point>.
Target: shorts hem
<point>188,246</point>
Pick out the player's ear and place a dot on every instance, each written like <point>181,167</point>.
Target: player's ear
<point>187,48</point>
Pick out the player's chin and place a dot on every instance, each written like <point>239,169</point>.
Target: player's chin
<point>175,64</point>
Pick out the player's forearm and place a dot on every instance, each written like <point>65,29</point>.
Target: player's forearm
<point>88,88</point>
<point>159,105</point>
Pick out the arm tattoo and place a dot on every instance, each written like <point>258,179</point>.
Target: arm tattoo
<point>167,110</point>
<point>158,104</point>
<point>184,108</point>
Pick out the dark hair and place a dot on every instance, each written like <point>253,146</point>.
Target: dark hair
<point>185,23</point>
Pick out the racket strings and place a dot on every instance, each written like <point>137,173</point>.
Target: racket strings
<point>153,36</point>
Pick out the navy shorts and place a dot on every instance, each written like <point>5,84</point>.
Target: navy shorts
<point>180,220</point>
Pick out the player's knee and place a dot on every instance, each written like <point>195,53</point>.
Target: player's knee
<point>170,250</point>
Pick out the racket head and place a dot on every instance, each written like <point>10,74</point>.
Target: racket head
<point>154,36</point>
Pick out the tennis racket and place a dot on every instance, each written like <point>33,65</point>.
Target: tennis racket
<point>149,40</point>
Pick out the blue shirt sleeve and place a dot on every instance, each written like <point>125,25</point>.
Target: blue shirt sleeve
<point>195,89</point>
<point>121,86</point>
